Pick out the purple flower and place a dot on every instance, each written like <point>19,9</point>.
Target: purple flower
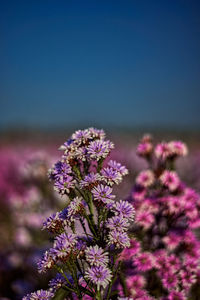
<point>64,245</point>
<point>57,282</point>
<point>64,184</point>
<point>118,167</point>
<point>111,176</point>
<point>39,295</point>
<point>117,222</point>
<point>75,207</point>
<point>96,256</point>
<point>55,223</point>
<point>90,180</point>
<point>103,193</point>
<point>47,262</point>
<point>118,239</point>
<point>125,209</point>
<point>96,133</point>
<point>99,275</point>
<point>81,135</point>
<point>99,149</point>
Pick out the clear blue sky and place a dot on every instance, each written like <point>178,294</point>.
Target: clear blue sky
<point>119,63</point>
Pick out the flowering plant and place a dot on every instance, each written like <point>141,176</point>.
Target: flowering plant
<point>92,230</point>
<point>163,261</point>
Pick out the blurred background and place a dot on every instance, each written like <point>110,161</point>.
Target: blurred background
<point>129,67</point>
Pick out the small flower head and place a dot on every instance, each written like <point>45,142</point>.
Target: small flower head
<point>57,282</point>
<point>124,209</point>
<point>135,282</point>
<point>144,261</point>
<point>64,184</point>
<point>118,239</point>
<point>170,180</point>
<point>103,193</point>
<point>90,180</point>
<point>99,149</point>
<point>99,275</point>
<point>118,167</point>
<point>47,262</point>
<point>39,295</point>
<point>111,176</point>
<point>96,256</point>
<point>76,207</point>
<point>176,295</point>
<point>144,149</point>
<point>178,148</point>
<point>117,222</point>
<point>162,151</point>
<point>145,178</point>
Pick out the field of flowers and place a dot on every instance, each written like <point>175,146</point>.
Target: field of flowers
<point>102,218</point>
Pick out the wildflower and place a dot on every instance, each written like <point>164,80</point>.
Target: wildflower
<point>162,151</point>
<point>118,239</point>
<point>47,262</point>
<point>103,193</point>
<point>99,275</point>
<point>96,256</point>
<point>90,180</point>
<point>145,178</point>
<point>75,207</point>
<point>170,180</point>
<point>99,149</point>
<point>54,223</point>
<point>135,282</point>
<point>57,282</point>
<point>111,176</point>
<point>172,240</point>
<point>125,209</point>
<point>143,261</point>
<point>118,167</point>
<point>145,147</point>
<point>117,222</point>
<point>64,184</point>
<point>169,280</point>
<point>81,135</point>
<point>178,148</point>
<point>144,219</point>
<point>39,295</point>
<point>176,295</point>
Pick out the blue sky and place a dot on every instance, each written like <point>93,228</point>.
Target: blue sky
<point>110,63</point>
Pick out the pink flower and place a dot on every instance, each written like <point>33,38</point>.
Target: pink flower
<point>135,282</point>
<point>162,151</point>
<point>170,180</point>
<point>145,178</point>
<point>175,295</point>
<point>144,219</point>
<point>178,148</point>
<point>169,280</point>
<point>145,148</point>
<point>143,261</point>
<point>172,240</point>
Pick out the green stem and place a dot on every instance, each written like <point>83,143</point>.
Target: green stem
<point>98,295</point>
<point>63,274</point>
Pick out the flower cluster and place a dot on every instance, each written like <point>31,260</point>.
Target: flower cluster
<point>163,261</point>
<point>92,230</point>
